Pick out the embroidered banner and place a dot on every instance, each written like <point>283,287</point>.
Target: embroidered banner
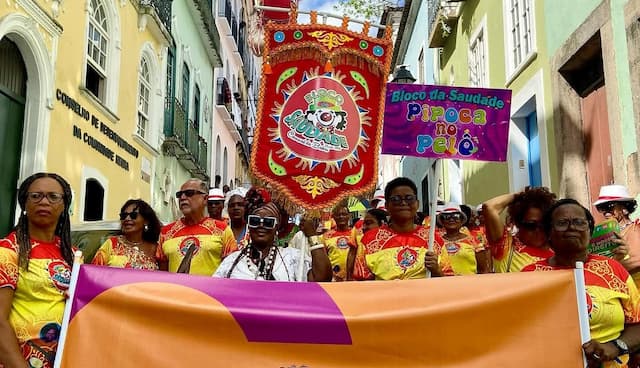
<point>320,111</point>
<point>129,318</point>
<point>446,122</point>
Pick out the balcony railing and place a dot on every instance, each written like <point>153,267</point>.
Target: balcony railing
<point>162,8</point>
<point>224,11</point>
<point>443,18</point>
<point>202,154</point>
<point>223,93</point>
<point>183,141</point>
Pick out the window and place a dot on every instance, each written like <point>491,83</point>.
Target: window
<point>196,108</point>
<point>225,164</point>
<point>97,50</point>
<point>520,32</point>
<point>94,201</point>
<point>477,61</point>
<point>144,89</point>
<point>186,75</point>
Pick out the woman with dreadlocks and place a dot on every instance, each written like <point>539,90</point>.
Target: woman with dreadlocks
<point>262,259</point>
<point>35,269</point>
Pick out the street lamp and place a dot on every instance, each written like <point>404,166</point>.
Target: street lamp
<point>403,75</point>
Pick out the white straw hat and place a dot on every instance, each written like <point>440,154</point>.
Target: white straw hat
<point>215,194</point>
<point>453,208</point>
<point>613,193</point>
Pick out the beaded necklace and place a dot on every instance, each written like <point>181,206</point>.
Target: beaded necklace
<point>261,267</point>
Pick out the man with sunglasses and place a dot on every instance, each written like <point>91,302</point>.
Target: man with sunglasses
<point>615,202</point>
<point>195,243</point>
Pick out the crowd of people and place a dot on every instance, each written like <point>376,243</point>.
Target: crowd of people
<point>243,234</point>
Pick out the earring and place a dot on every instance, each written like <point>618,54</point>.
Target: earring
<point>145,227</point>
<point>24,212</point>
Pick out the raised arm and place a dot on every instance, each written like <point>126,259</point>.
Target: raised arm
<point>491,209</point>
<point>320,264</point>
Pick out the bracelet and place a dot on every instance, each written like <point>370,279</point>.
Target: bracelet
<point>317,246</point>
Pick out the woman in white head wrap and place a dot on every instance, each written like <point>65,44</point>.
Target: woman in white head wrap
<point>262,259</point>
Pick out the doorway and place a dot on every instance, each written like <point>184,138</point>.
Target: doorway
<point>13,93</point>
<point>597,140</point>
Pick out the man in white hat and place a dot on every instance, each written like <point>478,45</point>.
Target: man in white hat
<point>615,202</point>
<point>215,203</point>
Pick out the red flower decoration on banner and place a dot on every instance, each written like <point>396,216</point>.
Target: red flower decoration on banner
<point>318,129</point>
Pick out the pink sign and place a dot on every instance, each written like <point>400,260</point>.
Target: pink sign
<point>446,122</point>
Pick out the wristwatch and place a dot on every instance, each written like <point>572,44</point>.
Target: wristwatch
<point>622,346</point>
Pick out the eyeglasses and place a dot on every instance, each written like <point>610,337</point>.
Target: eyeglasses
<point>450,216</point>
<point>606,207</point>
<point>189,193</point>
<point>132,215</point>
<point>52,197</point>
<point>531,226</point>
<point>254,221</point>
<point>577,223</point>
<point>409,199</point>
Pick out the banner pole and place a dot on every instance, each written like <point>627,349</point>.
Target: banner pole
<point>77,262</point>
<point>583,310</point>
<point>433,203</point>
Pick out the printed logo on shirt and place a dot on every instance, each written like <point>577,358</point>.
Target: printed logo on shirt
<point>406,258</point>
<point>589,305</point>
<point>452,248</point>
<point>60,274</point>
<point>187,242</point>
<point>342,243</point>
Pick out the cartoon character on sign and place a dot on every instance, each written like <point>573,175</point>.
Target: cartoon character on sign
<point>325,110</point>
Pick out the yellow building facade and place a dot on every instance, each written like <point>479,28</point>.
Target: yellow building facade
<point>82,94</point>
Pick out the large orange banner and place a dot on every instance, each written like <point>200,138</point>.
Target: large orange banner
<point>127,318</point>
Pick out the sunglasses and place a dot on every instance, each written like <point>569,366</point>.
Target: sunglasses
<point>254,221</point>
<point>450,216</point>
<point>531,226</point>
<point>132,215</point>
<point>189,193</point>
<point>606,207</point>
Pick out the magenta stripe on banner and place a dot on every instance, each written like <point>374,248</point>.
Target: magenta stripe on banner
<point>267,311</point>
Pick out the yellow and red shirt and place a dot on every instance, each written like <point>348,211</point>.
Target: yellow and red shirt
<point>38,299</point>
<point>337,244</point>
<point>521,255</point>
<point>458,257</point>
<point>388,255</point>
<point>113,253</point>
<point>612,298</point>
<point>213,240</point>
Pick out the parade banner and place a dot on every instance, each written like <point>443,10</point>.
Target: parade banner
<point>320,111</point>
<point>446,122</point>
<point>131,318</point>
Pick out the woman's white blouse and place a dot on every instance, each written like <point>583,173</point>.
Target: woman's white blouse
<point>286,266</point>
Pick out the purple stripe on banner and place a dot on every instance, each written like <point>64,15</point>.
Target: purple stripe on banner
<point>267,311</point>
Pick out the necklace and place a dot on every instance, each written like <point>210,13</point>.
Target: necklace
<point>125,241</point>
<point>262,267</point>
